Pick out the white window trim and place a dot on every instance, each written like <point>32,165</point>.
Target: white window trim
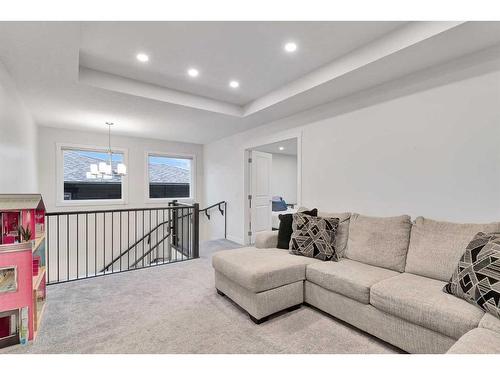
<point>60,202</point>
<point>192,187</point>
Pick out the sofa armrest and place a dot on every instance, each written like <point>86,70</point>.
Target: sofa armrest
<point>267,239</point>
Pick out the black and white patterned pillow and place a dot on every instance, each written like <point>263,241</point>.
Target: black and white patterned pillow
<point>285,230</point>
<point>477,276</point>
<point>314,237</point>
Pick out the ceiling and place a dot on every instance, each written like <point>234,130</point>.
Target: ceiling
<point>289,147</point>
<point>78,75</point>
<point>250,52</point>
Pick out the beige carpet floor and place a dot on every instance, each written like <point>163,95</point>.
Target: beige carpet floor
<point>175,309</point>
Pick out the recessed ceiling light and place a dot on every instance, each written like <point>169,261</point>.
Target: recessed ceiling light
<point>193,72</point>
<point>234,84</point>
<point>142,57</point>
<point>281,148</point>
<point>290,47</point>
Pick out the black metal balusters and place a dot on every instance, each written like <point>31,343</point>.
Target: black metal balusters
<point>177,227</point>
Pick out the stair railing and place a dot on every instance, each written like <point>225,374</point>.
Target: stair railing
<point>85,244</point>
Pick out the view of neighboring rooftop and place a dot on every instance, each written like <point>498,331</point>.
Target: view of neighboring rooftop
<point>77,164</point>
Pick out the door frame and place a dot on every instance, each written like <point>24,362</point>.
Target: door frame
<point>256,143</point>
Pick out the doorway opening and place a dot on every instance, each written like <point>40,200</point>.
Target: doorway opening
<point>272,185</point>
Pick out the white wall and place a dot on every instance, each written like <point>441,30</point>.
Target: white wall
<point>136,147</point>
<point>18,144</point>
<point>284,178</point>
<point>433,153</point>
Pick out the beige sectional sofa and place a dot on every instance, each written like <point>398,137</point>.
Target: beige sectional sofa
<point>388,283</point>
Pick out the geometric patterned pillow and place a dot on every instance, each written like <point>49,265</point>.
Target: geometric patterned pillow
<point>477,276</point>
<point>314,237</point>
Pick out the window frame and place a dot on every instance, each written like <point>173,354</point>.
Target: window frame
<point>60,202</point>
<point>192,185</point>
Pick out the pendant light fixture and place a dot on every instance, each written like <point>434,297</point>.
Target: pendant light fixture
<point>104,170</point>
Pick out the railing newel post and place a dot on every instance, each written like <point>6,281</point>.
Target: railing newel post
<point>196,230</point>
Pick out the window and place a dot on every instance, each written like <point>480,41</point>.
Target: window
<point>79,185</point>
<point>169,177</point>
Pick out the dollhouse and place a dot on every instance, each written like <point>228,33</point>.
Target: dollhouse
<point>22,267</point>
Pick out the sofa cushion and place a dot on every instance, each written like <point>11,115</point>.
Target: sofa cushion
<point>490,322</point>
<point>436,246</point>
<point>477,276</point>
<point>421,300</point>
<point>314,237</point>
<point>477,341</point>
<point>379,241</point>
<point>261,269</point>
<point>348,277</point>
<point>342,230</point>
<point>267,239</point>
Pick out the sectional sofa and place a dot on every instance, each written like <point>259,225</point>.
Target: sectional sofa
<point>388,283</point>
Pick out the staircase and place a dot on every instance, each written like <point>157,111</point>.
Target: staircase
<point>85,244</point>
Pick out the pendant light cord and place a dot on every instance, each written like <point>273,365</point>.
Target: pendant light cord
<point>109,147</point>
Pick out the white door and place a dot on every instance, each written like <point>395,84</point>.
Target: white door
<point>260,192</point>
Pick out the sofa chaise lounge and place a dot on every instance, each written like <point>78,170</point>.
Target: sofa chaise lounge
<point>389,282</point>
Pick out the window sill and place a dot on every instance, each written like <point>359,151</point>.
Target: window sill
<point>87,203</point>
<point>167,200</point>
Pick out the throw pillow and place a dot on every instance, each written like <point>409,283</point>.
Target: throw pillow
<point>285,230</point>
<point>314,237</point>
<point>477,276</point>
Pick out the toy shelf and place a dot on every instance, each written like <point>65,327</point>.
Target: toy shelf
<point>23,272</point>
<point>38,242</point>
<point>39,278</point>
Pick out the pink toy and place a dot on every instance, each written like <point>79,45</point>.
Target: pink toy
<point>36,265</point>
<point>22,267</point>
